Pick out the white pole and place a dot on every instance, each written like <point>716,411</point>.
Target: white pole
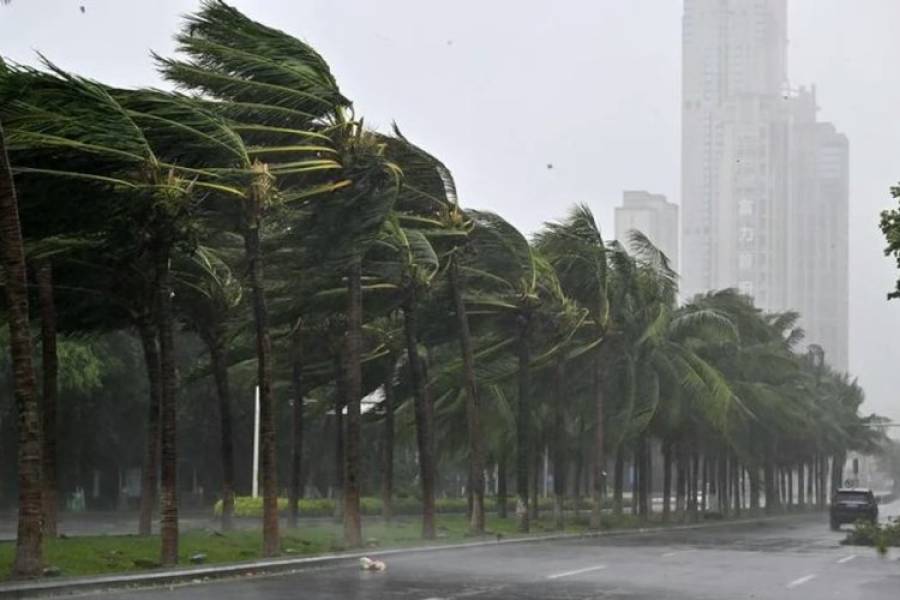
<point>256,446</point>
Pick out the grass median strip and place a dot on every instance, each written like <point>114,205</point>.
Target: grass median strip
<point>98,555</point>
<point>132,554</point>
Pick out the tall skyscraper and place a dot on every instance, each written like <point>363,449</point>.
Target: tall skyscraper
<point>764,184</point>
<point>734,145</point>
<point>653,216</point>
<point>818,246</point>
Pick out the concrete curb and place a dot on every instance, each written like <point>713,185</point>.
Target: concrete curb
<point>199,574</point>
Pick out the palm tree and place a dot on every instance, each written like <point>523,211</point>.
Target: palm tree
<point>575,249</point>
<point>415,266</point>
<point>285,103</point>
<point>29,556</point>
<point>50,374</point>
<point>428,203</point>
<point>208,296</point>
<point>517,290</point>
<point>138,163</point>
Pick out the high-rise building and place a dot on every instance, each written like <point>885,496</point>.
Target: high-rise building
<point>653,216</point>
<point>818,246</point>
<point>764,190</point>
<point>734,147</point>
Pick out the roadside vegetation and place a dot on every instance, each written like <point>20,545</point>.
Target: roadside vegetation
<point>118,554</point>
<point>880,535</point>
<point>251,231</point>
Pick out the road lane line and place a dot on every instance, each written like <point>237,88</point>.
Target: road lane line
<point>577,572</point>
<point>800,581</point>
<point>846,559</point>
<point>676,553</point>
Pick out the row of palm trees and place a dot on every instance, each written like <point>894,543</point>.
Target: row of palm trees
<point>256,210</point>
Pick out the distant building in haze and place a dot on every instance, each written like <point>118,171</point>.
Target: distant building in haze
<point>818,247</point>
<point>653,216</point>
<point>764,186</point>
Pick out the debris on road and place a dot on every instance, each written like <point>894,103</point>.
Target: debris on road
<point>367,564</point>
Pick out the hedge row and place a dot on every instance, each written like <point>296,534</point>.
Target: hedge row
<point>245,506</point>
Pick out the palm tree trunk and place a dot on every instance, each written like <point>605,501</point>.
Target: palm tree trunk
<point>837,469</point>
<point>339,398</point>
<point>267,442</point>
<point>423,415</point>
<point>801,500</point>
<point>523,440</point>
<point>576,479</point>
<point>29,555</point>
<point>168,417</point>
<point>599,453</point>
<point>387,475</point>
<point>534,509</point>
<point>502,490</point>
<point>559,445</point>
<point>809,483</point>
<point>619,480</point>
<point>769,485</point>
<point>754,488</point>
<point>150,474</point>
<point>789,469</point>
<point>647,478</point>
<point>296,490</point>
<point>473,402</point>
<point>50,370</point>
<point>694,468</point>
<point>667,482</point>
<point>704,485</point>
<point>353,373</point>
<point>219,361</point>
<point>723,484</point>
<point>636,468</point>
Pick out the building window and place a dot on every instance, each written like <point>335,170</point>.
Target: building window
<point>746,287</point>
<point>745,260</point>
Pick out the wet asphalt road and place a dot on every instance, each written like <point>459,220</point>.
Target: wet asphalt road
<point>792,558</point>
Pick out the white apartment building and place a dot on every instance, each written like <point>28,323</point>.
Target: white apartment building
<point>764,184</point>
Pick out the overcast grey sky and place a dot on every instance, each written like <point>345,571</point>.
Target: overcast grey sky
<point>500,88</point>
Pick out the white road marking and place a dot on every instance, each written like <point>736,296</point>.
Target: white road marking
<point>800,581</point>
<point>676,553</point>
<point>577,572</point>
<point>846,559</point>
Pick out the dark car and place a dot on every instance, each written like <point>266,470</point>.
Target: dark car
<point>850,505</point>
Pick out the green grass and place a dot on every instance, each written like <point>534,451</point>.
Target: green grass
<point>117,554</point>
<point>245,506</point>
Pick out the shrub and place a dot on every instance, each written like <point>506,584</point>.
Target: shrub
<point>881,536</point>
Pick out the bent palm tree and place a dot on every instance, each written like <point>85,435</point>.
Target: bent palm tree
<point>575,249</point>
<point>279,94</point>
<point>134,139</point>
<point>29,557</point>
